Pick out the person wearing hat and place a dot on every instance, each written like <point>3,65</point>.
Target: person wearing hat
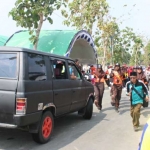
<point>116,90</point>
<point>99,80</point>
<point>141,76</point>
<point>136,89</point>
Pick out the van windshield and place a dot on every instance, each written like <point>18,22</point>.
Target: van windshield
<point>8,65</point>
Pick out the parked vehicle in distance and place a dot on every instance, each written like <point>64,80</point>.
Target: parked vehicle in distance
<point>36,87</point>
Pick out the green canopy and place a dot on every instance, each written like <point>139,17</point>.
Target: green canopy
<point>71,43</point>
<point>3,39</point>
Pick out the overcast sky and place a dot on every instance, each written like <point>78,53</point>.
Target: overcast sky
<point>132,13</point>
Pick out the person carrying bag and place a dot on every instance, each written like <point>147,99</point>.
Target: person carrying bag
<point>145,103</point>
<point>136,89</point>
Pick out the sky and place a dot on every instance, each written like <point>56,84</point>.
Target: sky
<point>132,13</point>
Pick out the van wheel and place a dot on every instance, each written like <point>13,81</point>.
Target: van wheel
<point>88,110</point>
<point>45,128</point>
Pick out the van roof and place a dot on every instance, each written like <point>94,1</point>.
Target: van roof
<point>20,49</point>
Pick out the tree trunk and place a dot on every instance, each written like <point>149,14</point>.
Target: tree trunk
<point>105,49</point>
<point>112,50</point>
<point>136,56</point>
<point>38,31</point>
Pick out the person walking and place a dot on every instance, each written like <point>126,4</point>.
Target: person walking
<point>99,86</point>
<point>141,76</point>
<point>136,89</point>
<point>116,90</point>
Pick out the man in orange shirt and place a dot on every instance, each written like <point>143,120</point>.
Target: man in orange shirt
<point>117,76</point>
<point>99,86</point>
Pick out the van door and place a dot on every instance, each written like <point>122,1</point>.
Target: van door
<point>61,86</point>
<point>77,87</point>
<point>8,85</point>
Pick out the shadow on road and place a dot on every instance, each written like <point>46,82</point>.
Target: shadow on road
<point>67,129</point>
<point>122,106</point>
<point>145,112</point>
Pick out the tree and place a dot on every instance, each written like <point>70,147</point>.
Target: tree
<point>85,14</point>
<point>31,14</point>
<point>137,46</point>
<point>146,55</point>
<point>127,47</point>
<point>122,45</point>
<point>108,29</point>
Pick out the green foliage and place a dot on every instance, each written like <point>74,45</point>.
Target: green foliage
<point>31,14</point>
<point>146,55</point>
<point>85,14</point>
<point>123,43</point>
<point>136,58</point>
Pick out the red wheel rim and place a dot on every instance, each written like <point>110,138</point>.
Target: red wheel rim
<point>47,127</point>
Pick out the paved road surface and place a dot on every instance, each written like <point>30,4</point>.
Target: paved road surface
<point>107,130</point>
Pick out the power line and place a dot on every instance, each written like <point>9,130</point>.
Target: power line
<point>58,16</point>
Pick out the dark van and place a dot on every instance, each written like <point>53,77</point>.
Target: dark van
<point>36,87</point>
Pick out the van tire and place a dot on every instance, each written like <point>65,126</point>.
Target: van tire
<point>88,109</point>
<point>45,130</point>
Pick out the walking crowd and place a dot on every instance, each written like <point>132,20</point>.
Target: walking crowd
<point>132,79</point>
<point>135,81</point>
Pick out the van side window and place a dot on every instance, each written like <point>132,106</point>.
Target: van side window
<point>8,65</point>
<point>74,73</point>
<point>37,68</point>
<point>59,69</point>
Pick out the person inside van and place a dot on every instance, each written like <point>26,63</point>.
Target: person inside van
<point>71,71</point>
<point>60,72</point>
<point>78,64</point>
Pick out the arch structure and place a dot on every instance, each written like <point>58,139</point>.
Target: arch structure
<point>70,43</point>
<point>3,40</point>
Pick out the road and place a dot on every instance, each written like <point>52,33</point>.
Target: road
<point>107,130</point>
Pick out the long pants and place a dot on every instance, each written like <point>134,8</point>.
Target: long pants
<point>116,94</point>
<point>112,97</point>
<point>135,114</point>
<point>108,82</point>
<point>99,91</point>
